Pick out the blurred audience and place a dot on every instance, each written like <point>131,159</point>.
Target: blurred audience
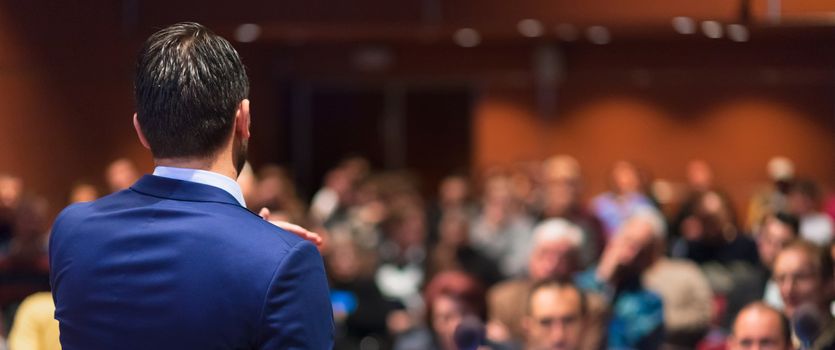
<point>560,271</point>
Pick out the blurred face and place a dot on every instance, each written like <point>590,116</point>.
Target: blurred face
<point>411,232</point>
<point>560,197</point>
<point>797,277</point>
<point>699,175</point>
<point>121,174</point>
<point>446,316</point>
<point>634,247</point>
<point>11,189</point>
<point>453,231</point>
<point>556,320</point>
<point>758,329</point>
<point>773,237</point>
<point>343,262</point>
<point>83,193</point>
<point>553,259</point>
<point>800,204</point>
<point>454,190</point>
<point>625,178</point>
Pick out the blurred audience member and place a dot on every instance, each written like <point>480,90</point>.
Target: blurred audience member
<point>776,232</point>
<point>334,194</point>
<point>771,199</point>
<point>337,192</point>
<point>562,187</point>
<point>759,326</point>
<point>699,181</point>
<point>35,326</point>
<point>359,308</point>
<point>803,273</point>
<point>121,174</point>
<point>637,314</point>
<point>502,231</point>
<point>804,202</point>
<point>402,256</point>
<point>83,192</point>
<point>11,199</point>
<point>453,252</point>
<point>276,192</point>
<point>453,196</point>
<point>625,196</point>
<point>556,317</point>
<point>524,186</point>
<point>450,297</point>
<point>710,234</point>
<point>555,254</point>
<point>683,287</point>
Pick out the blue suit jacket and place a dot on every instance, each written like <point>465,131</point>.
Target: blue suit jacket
<point>171,264</point>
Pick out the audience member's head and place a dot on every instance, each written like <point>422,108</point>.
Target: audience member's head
<point>555,250</point>
<point>699,175</point>
<point>759,326</point>
<point>780,169</point>
<point>776,231</point>
<point>626,178</point>
<point>276,192</point>
<point>556,316</point>
<point>83,192</point>
<point>450,296</point>
<point>11,190</point>
<point>803,197</point>
<point>803,272</point>
<point>713,222</point>
<point>406,226</point>
<point>499,203</point>
<point>638,245</point>
<point>454,228</point>
<point>561,177</point>
<point>454,191</point>
<point>121,174</point>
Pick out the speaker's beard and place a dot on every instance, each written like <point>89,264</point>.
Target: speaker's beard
<point>239,156</point>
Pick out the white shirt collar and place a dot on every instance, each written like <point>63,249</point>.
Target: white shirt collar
<point>210,178</point>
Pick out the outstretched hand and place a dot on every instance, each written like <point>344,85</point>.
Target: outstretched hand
<point>297,230</point>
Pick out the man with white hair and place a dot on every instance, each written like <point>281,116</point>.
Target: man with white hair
<point>554,254</point>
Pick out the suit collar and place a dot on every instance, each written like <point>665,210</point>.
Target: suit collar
<point>164,187</point>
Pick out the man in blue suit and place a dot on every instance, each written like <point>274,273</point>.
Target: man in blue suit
<point>177,261</point>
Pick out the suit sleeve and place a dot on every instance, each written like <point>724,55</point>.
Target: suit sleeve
<point>297,312</point>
